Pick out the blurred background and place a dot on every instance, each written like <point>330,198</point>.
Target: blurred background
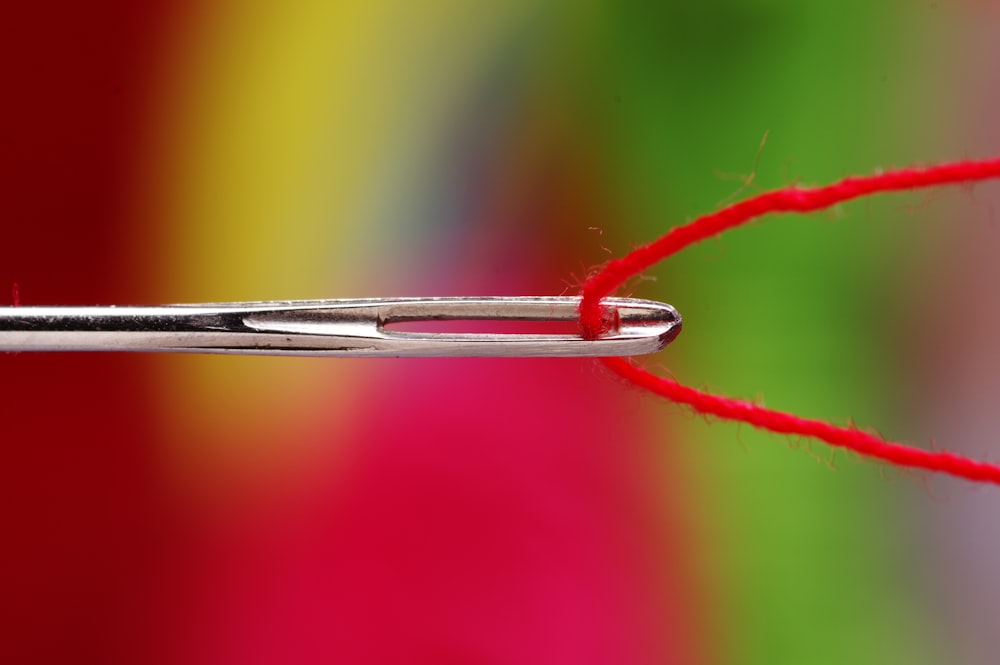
<point>239,510</point>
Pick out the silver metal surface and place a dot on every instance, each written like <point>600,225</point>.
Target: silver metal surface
<point>350,328</point>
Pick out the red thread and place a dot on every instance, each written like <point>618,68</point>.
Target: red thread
<point>595,319</point>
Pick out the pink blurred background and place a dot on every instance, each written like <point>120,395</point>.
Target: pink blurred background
<point>252,510</point>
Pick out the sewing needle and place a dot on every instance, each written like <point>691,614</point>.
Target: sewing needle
<point>348,328</point>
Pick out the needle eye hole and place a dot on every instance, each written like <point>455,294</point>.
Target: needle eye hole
<point>484,327</point>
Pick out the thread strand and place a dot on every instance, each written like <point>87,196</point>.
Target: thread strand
<point>594,319</point>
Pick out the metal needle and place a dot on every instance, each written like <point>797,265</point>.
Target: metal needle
<point>336,328</point>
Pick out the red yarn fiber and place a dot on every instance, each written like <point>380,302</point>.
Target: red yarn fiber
<point>594,318</point>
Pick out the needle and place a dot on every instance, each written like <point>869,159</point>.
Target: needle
<point>349,328</point>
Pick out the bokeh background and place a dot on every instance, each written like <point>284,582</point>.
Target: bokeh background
<point>217,510</point>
